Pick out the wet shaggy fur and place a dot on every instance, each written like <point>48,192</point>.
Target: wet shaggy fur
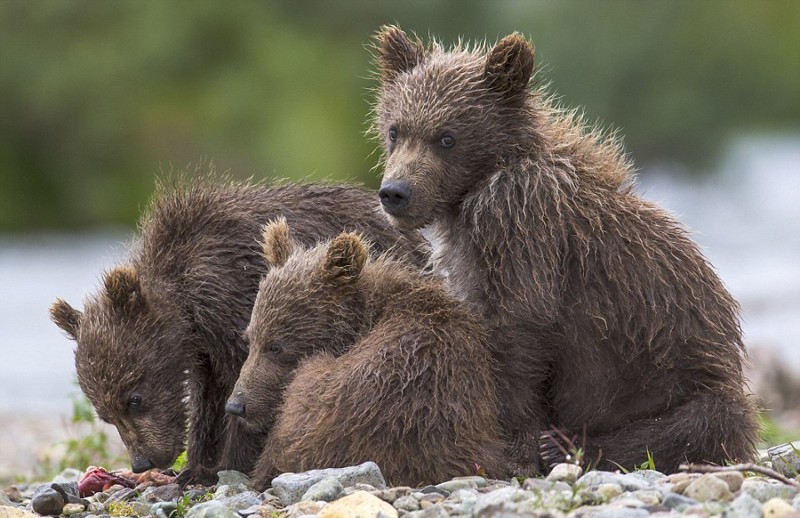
<point>608,323</point>
<point>172,316</point>
<point>353,359</point>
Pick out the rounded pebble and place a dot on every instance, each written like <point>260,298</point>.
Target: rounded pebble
<point>359,503</point>
<point>708,487</point>
<point>565,473</point>
<point>775,507</point>
<point>327,490</point>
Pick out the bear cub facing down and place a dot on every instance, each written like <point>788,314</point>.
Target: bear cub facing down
<point>160,344</point>
<point>355,359</point>
<point>608,322</point>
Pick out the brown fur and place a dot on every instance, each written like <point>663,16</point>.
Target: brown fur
<point>171,317</point>
<point>354,360</point>
<point>607,320</point>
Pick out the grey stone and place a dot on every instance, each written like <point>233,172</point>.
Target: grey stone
<point>406,503</point>
<point>622,512</point>
<point>113,489</point>
<point>626,501</point>
<point>68,475</point>
<point>241,500</point>
<point>785,458</point>
<point>796,502</point>
<point>708,487</point>
<point>290,487</point>
<point>744,506</point>
<point>47,501</point>
<point>326,490</point>
<point>565,473</point>
<point>435,489</point>
<point>211,509</point>
<point>637,480</point>
<point>501,502</point>
<point>253,509</point>
<point>453,485</point>
<point>435,511</point>
<point>123,495</point>
<point>677,502</point>
<point>477,479</point>
<point>165,507</point>
<point>96,508</point>
<point>4,500</point>
<point>166,493</point>
<point>648,476</point>
<point>231,477</point>
<point>226,491</point>
<point>392,494</point>
<point>543,485</point>
<point>461,502</point>
<point>593,479</point>
<point>763,489</point>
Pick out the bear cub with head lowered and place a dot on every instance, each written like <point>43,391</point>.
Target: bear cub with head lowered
<point>607,321</point>
<point>355,359</point>
<point>160,344</point>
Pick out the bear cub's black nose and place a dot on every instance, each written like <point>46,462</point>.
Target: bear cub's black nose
<point>395,196</point>
<point>141,464</point>
<point>235,407</point>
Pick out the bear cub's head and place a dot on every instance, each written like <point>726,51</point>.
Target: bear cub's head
<point>129,365</point>
<point>445,119</point>
<point>308,302</point>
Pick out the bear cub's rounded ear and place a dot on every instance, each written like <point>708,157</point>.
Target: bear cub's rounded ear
<point>396,52</point>
<point>278,245</point>
<point>509,66</point>
<point>66,317</point>
<point>123,290</point>
<point>345,259</point>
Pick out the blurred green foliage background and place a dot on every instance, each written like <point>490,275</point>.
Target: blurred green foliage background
<point>98,97</point>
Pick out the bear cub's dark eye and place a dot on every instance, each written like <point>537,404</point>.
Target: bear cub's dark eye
<point>134,402</point>
<point>275,348</point>
<point>392,134</point>
<point>447,140</point>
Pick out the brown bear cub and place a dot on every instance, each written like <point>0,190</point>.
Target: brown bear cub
<point>353,359</point>
<point>167,325</point>
<point>608,322</point>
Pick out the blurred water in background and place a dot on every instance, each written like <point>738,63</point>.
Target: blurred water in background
<point>746,218</point>
<point>37,372</point>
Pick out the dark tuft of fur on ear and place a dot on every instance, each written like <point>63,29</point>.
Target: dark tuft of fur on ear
<point>123,290</point>
<point>346,256</point>
<point>396,52</point>
<point>509,67</point>
<point>66,317</point>
<point>278,245</point>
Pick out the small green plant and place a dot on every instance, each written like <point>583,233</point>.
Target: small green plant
<point>187,502</point>
<point>180,462</point>
<point>649,463</point>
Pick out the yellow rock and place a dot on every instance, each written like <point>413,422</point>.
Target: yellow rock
<point>358,505</point>
<point>777,507</point>
<point>7,511</point>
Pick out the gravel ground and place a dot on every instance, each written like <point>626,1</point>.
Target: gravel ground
<point>362,491</point>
